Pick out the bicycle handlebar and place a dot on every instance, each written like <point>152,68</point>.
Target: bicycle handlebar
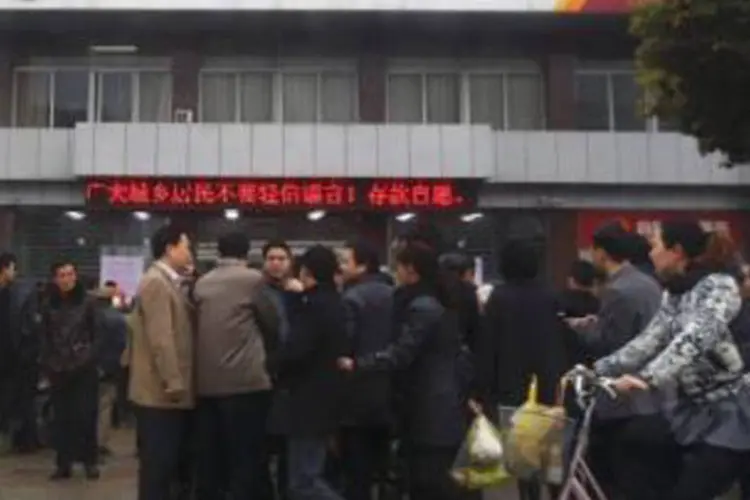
<point>585,382</point>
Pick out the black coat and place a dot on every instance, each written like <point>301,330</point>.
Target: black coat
<point>577,304</point>
<point>522,337</point>
<point>424,352</point>
<point>308,399</point>
<point>369,307</point>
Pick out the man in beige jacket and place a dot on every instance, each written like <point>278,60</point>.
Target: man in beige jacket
<point>237,326</point>
<point>161,365</point>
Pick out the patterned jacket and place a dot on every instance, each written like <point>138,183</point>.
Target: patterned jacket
<point>688,343</point>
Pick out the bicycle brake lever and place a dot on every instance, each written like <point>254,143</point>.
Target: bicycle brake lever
<point>608,387</point>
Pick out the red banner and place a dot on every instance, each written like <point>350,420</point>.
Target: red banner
<point>645,222</point>
<point>279,194</point>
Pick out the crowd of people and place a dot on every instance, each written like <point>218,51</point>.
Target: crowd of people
<point>322,377</point>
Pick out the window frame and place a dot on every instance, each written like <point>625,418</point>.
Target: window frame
<point>651,123</point>
<point>465,70</point>
<point>93,107</point>
<point>277,70</point>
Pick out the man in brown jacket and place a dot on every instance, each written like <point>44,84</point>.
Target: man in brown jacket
<point>236,322</point>
<point>161,365</point>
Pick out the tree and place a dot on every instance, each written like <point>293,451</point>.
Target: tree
<point>693,62</point>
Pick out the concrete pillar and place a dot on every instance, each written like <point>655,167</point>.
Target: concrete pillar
<point>372,82</point>
<point>560,91</point>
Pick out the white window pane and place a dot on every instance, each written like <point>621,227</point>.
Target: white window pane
<point>405,99</point>
<point>32,99</point>
<point>71,98</point>
<point>218,97</point>
<point>443,100</point>
<point>115,97</point>
<point>338,97</point>
<point>486,96</point>
<point>256,97</point>
<point>300,98</point>
<point>155,97</point>
<point>525,102</point>
<point>592,102</point>
<point>627,97</point>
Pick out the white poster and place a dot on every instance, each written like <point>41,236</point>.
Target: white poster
<point>126,270</point>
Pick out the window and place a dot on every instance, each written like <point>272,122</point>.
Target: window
<point>65,96</point>
<point>610,100</point>
<point>504,100</point>
<point>288,96</point>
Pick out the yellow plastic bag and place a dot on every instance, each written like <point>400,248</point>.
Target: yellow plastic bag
<point>535,438</point>
<point>479,463</point>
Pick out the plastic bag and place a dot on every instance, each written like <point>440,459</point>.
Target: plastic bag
<point>534,441</point>
<point>479,463</point>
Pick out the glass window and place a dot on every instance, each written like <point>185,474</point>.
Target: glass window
<point>592,102</point>
<point>218,97</point>
<point>338,97</point>
<point>525,102</point>
<point>71,98</point>
<point>256,97</point>
<point>443,98</point>
<point>486,95</point>
<point>114,99</point>
<point>155,96</point>
<point>300,98</point>
<point>626,95</point>
<point>405,99</point>
<point>33,98</point>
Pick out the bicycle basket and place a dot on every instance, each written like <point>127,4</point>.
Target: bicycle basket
<point>534,438</point>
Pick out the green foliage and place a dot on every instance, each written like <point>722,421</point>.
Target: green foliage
<point>693,62</point>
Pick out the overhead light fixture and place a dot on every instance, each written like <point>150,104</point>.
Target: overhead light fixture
<point>472,217</point>
<point>75,215</point>
<point>316,215</point>
<point>113,49</point>
<point>231,214</point>
<point>141,215</point>
<point>405,217</point>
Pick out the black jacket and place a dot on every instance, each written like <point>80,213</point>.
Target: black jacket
<point>577,304</point>
<point>19,342</point>
<point>308,401</point>
<point>424,352</point>
<point>522,337</point>
<point>369,309</point>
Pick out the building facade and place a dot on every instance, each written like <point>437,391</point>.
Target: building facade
<point>328,120</point>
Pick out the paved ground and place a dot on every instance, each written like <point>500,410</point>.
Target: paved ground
<point>26,477</point>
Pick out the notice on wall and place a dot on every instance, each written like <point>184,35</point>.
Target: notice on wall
<point>126,270</point>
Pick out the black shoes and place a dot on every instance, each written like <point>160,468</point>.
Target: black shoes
<point>61,474</point>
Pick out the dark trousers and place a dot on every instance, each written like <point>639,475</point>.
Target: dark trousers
<point>273,475</point>
<point>75,405</point>
<point>429,474</point>
<point>365,458</point>
<point>706,472</point>
<point>164,453</point>
<point>26,437</point>
<point>231,439</point>
<point>307,461</point>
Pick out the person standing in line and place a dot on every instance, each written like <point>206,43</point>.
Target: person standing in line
<point>307,407</point>
<point>19,357</point>
<point>68,357</point>
<point>236,319</point>
<point>161,365</point>
<point>368,419</point>
<point>110,346</point>
<point>578,300</point>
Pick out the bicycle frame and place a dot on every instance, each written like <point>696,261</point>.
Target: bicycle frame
<point>581,483</point>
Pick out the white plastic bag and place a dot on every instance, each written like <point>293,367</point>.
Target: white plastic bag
<point>485,445</point>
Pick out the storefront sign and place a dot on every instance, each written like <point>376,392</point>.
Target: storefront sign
<point>270,194</point>
<point>646,223</point>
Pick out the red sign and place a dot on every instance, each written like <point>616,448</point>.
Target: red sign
<point>646,222</point>
<point>386,194</point>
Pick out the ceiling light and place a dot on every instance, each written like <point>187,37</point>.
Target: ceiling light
<point>472,217</point>
<point>231,214</point>
<point>316,215</point>
<point>113,49</point>
<point>405,217</point>
<point>75,215</point>
<point>142,216</point>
